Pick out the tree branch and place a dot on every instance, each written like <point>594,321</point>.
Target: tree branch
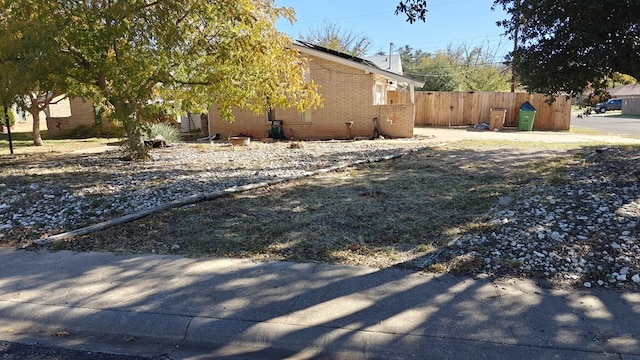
<point>413,9</point>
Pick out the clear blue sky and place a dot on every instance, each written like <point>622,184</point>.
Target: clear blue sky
<point>456,22</point>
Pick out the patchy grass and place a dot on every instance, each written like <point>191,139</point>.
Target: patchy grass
<point>523,145</point>
<point>24,150</point>
<point>585,131</point>
<point>384,214</point>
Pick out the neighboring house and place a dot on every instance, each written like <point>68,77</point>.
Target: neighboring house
<point>61,117</point>
<point>625,91</point>
<point>355,97</point>
<point>24,120</point>
<point>630,95</point>
<point>631,106</point>
<point>65,117</point>
<point>617,92</point>
<point>391,63</point>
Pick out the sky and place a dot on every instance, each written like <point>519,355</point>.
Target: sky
<point>455,22</point>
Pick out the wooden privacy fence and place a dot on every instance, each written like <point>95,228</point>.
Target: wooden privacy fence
<point>437,108</point>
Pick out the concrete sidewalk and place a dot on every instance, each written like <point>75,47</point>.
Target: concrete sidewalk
<point>237,309</point>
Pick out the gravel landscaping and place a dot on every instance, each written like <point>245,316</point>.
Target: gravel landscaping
<point>578,226</point>
<point>583,228</point>
<point>42,199</point>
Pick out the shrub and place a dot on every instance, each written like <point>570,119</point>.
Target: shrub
<point>3,121</point>
<point>168,132</point>
<point>89,131</point>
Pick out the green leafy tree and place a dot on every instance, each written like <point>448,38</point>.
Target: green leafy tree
<point>566,46</point>
<point>479,69</point>
<point>333,37</point>
<point>126,55</point>
<point>414,10</point>
<point>3,120</point>
<point>6,92</point>
<point>623,79</point>
<point>456,69</point>
<point>31,66</point>
<point>436,70</point>
<point>439,73</point>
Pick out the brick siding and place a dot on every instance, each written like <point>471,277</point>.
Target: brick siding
<point>348,97</point>
<point>81,113</point>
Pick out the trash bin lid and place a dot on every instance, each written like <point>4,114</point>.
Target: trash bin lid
<point>527,106</point>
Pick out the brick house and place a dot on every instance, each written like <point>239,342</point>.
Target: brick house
<point>356,104</point>
<point>59,108</point>
<point>61,117</point>
<point>625,91</point>
<point>71,114</point>
<point>23,121</point>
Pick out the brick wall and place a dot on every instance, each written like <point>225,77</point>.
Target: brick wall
<point>23,126</point>
<point>81,114</point>
<point>396,120</point>
<point>348,98</point>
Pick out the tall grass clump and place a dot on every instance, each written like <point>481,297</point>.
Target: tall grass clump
<point>168,132</point>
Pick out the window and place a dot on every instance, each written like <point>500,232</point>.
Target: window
<point>307,76</point>
<point>270,115</point>
<point>306,115</point>
<point>97,113</point>
<point>379,94</point>
<point>22,118</point>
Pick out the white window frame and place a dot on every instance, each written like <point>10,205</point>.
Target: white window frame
<point>307,116</point>
<point>380,93</point>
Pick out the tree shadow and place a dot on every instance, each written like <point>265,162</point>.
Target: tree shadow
<point>239,308</point>
<point>242,308</point>
<point>410,206</point>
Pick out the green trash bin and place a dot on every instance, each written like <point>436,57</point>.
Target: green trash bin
<point>276,131</point>
<point>526,116</point>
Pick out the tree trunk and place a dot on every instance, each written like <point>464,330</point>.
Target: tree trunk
<point>134,135</point>
<point>35,114</point>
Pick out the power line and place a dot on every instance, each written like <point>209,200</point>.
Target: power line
<point>470,70</point>
<point>431,4</point>
<point>497,37</point>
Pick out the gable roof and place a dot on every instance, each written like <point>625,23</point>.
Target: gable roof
<point>625,90</point>
<point>352,61</point>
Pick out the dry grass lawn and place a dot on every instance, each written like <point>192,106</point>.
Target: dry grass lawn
<point>393,213</point>
<point>24,151</point>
